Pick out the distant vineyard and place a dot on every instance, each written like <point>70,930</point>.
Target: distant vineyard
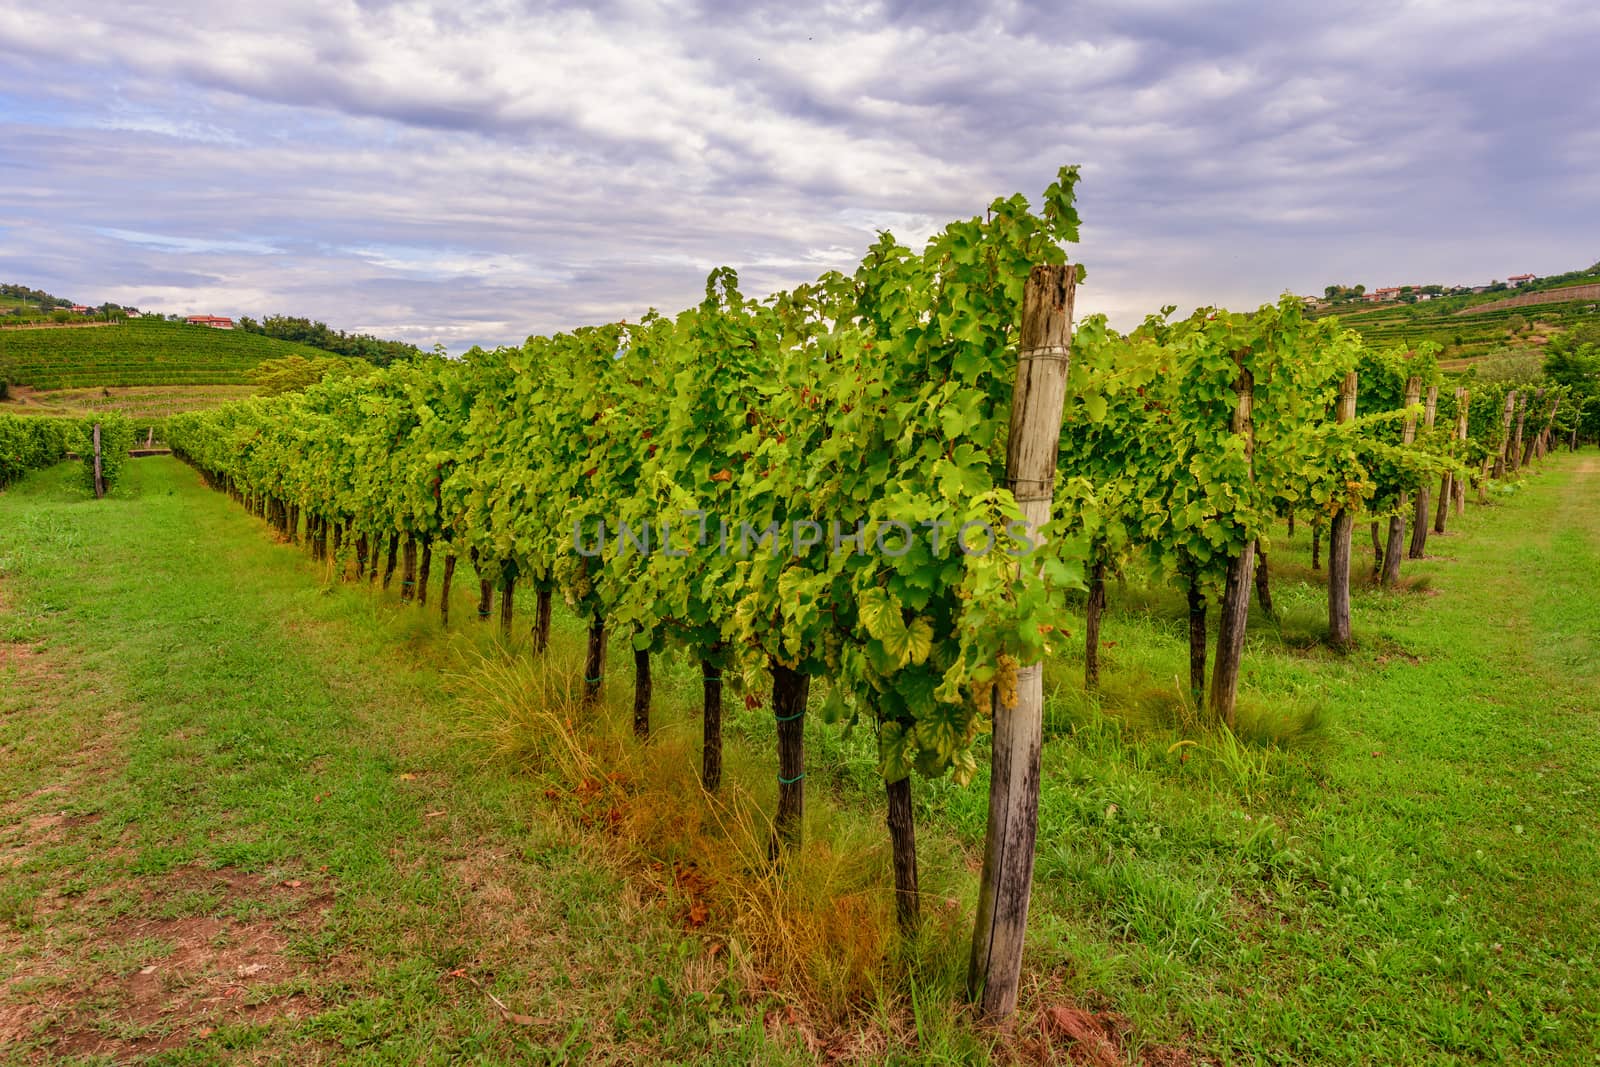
<point>1467,333</point>
<point>145,352</point>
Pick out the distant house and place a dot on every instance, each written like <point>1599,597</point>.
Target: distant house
<point>1379,296</point>
<point>1521,279</point>
<point>216,322</point>
<point>80,309</point>
<point>132,314</point>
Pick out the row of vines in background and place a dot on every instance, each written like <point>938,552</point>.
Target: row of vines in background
<point>857,483</point>
<point>32,442</point>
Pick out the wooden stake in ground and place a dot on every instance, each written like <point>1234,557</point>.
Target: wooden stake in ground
<point>99,473</point>
<point>790,690</point>
<point>642,691</point>
<point>1241,570</point>
<point>1339,540</point>
<point>903,850</point>
<point>1197,638</point>
<point>1419,521</point>
<point>1044,349</point>
<point>1397,522</point>
<point>711,735</point>
<point>1458,486</point>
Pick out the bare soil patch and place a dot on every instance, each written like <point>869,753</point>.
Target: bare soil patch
<point>134,986</point>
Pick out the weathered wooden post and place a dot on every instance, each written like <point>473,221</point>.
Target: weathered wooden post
<point>643,693</point>
<point>903,851</point>
<point>711,723</point>
<point>1459,485</point>
<point>1044,351</point>
<point>1397,522</point>
<point>99,471</point>
<point>1419,521</point>
<point>1241,568</point>
<point>1339,539</point>
<point>790,691</point>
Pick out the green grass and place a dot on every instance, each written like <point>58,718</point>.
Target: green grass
<point>141,403</point>
<point>1395,861</point>
<point>143,352</point>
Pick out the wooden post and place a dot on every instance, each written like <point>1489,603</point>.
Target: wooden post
<point>1236,587</point>
<point>99,472</point>
<point>903,853</point>
<point>1339,540</point>
<point>1397,522</point>
<point>1197,638</point>
<point>1459,485</point>
<point>711,733</point>
<point>1044,349</point>
<point>1419,521</point>
<point>642,690</point>
<point>790,690</point>
<point>422,573</point>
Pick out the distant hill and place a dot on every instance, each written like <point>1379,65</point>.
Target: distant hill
<point>1468,326</point>
<point>145,352</point>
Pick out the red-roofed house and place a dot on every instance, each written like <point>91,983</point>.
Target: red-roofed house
<point>216,322</point>
<point>1380,295</point>
<point>1521,279</point>
<point>80,309</point>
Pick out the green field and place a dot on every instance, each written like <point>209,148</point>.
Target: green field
<point>254,815</point>
<point>1463,333</point>
<point>145,352</point>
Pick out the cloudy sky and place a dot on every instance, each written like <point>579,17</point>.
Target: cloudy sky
<point>472,172</point>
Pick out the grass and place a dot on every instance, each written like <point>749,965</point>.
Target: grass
<point>208,747</point>
<point>144,352</point>
<point>140,403</point>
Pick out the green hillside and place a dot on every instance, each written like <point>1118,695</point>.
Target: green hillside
<point>144,352</point>
<point>1463,332</point>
